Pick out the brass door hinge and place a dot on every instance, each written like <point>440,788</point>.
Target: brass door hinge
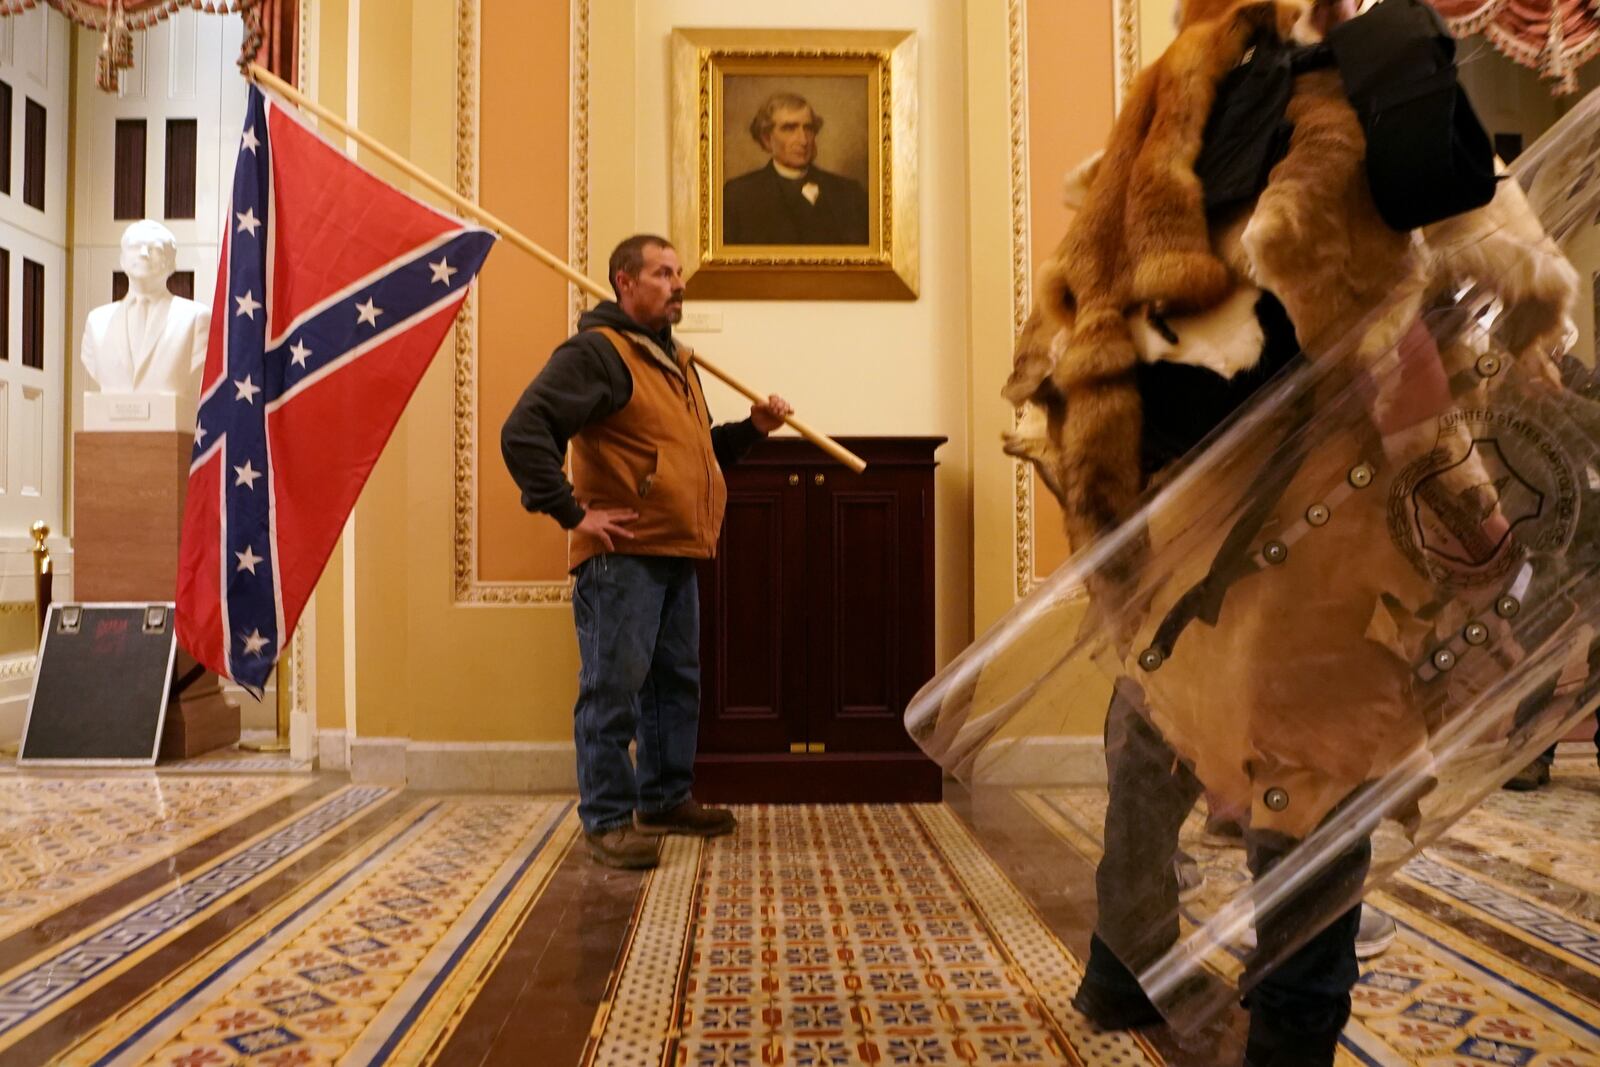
<point>801,748</point>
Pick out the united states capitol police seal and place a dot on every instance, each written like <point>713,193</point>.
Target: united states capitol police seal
<point>1464,515</point>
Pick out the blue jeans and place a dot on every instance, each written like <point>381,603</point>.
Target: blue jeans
<point>638,620</point>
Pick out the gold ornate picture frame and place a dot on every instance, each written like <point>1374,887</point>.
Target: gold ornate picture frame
<point>861,87</point>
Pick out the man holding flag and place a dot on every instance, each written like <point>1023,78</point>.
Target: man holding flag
<point>333,293</point>
<point>645,501</point>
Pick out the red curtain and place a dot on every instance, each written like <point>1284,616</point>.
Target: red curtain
<point>280,43</point>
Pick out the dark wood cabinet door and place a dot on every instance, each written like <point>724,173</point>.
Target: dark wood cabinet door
<point>817,627</point>
<point>870,632</point>
<point>752,639</point>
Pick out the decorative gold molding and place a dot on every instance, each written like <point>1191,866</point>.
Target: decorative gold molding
<point>1126,57</point>
<point>469,588</point>
<point>1127,47</point>
<point>303,74</point>
<point>306,79</point>
<point>297,665</point>
<point>578,159</point>
<point>1021,268</point>
<point>14,667</point>
<point>15,607</point>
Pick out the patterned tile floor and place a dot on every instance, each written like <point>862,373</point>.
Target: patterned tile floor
<point>374,975</point>
<point>63,838</point>
<point>232,759</point>
<point>1498,959</point>
<point>202,920</point>
<point>844,935</point>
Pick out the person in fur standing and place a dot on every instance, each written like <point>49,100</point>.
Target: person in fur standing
<point>1191,274</point>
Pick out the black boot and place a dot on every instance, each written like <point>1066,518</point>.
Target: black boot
<point>1271,1046</point>
<point>1110,996</point>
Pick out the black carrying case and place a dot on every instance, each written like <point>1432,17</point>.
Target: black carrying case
<point>1428,157</point>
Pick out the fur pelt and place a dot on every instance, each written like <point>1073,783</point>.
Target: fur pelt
<point>1140,238</point>
<point>1313,239</point>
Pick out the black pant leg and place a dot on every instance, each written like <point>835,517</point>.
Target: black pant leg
<point>1150,795</point>
<point>1299,1008</point>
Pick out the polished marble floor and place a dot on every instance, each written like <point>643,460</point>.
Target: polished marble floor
<point>234,911</point>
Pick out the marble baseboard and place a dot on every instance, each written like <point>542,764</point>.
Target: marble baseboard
<point>16,686</point>
<point>333,752</point>
<point>538,767</point>
<point>459,766</point>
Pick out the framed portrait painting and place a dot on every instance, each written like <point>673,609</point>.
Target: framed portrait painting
<point>795,163</point>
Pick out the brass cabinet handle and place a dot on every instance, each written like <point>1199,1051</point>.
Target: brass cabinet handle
<point>820,478</point>
<point>794,479</point>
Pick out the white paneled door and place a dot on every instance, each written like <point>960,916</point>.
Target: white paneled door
<point>35,98</point>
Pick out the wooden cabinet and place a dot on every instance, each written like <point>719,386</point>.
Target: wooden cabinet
<point>817,626</point>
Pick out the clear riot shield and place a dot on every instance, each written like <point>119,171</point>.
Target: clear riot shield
<point>1364,603</point>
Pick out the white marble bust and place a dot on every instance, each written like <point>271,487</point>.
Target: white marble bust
<point>150,343</point>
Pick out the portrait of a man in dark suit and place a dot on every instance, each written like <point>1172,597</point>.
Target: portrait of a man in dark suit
<point>791,200</point>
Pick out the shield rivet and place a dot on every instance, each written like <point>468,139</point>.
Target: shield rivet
<point>1276,799</point>
<point>1476,633</point>
<point>1488,366</point>
<point>1361,475</point>
<point>1274,551</point>
<point>1318,514</point>
<point>1444,659</point>
<point>1507,607</point>
<point>1150,659</point>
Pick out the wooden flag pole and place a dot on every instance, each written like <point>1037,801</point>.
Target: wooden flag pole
<point>510,233</point>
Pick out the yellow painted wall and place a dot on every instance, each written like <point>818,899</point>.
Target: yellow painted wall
<point>990,310</point>
<point>1156,28</point>
<point>1070,93</point>
<point>426,668</point>
<point>18,631</point>
<point>849,367</point>
<point>328,48</point>
<point>1071,105</point>
<point>525,173</point>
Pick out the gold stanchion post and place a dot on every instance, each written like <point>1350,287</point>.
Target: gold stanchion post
<point>43,579</point>
<point>280,743</point>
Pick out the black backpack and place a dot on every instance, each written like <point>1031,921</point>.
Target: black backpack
<point>1428,157</point>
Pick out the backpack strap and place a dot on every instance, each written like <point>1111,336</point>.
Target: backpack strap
<point>1428,156</point>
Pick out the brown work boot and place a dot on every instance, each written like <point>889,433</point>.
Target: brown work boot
<point>625,847</point>
<point>687,818</point>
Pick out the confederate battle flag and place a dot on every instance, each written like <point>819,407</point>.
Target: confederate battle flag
<point>334,291</point>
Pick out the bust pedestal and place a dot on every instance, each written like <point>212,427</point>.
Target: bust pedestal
<point>145,412</point>
<point>128,490</point>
